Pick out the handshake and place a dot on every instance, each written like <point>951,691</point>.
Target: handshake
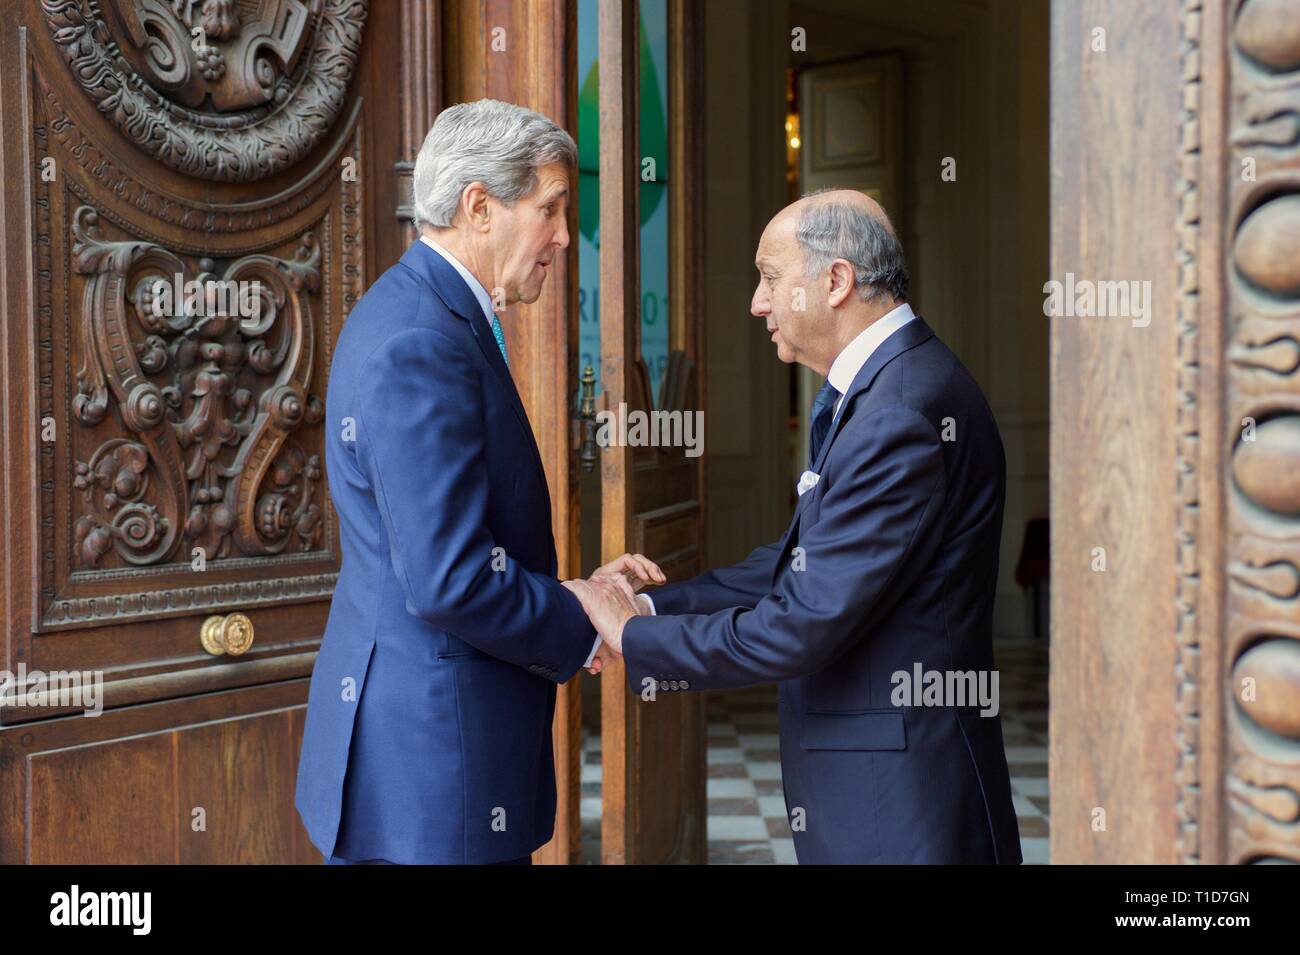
<point>609,598</point>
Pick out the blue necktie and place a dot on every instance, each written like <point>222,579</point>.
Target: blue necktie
<point>500,336</point>
<point>823,413</point>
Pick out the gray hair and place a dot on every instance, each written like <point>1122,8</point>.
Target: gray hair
<point>488,141</point>
<point>831,229</point>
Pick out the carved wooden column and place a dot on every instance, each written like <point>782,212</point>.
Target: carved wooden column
<point>1175,696</point>
<point>1261,652</point>
<point>421,89</point>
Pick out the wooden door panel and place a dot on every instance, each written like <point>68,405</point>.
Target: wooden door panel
<point>165,457</point>
<point>670,534</point>
<point>205,780</point>
<point>63,784</point>
<point>852,128</point>
<point>175,449</point>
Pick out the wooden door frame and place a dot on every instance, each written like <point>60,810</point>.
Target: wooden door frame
<point>1155,755</point>
<point>620,285</point>
<point>621,375</point>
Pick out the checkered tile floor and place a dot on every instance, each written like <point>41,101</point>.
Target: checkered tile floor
<point>747,822</point>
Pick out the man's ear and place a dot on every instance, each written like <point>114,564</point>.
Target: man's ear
<point>474,205</point>
<point>842,283</point>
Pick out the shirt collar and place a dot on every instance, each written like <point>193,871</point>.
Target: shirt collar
<point>855,354</point>
<point>475,286</point>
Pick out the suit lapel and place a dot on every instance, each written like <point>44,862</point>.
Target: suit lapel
<point>447,283</point>
<point>909,336</point>
<point>906,338</point>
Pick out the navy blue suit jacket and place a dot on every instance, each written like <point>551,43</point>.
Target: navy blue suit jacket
<point>890,560</point>
<point>428,730</point>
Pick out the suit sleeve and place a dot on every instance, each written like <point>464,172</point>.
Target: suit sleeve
<point>741,585</point>
<point>879,525</point>
<point>419,442</point>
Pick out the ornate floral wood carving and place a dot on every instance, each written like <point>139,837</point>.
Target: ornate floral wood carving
<point>209,398</point>
<point>247,97</point>
<point>188,212</point>
<point>1262,383</point>
<point>72,593</point>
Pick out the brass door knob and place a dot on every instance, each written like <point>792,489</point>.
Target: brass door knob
<point>230,635</point>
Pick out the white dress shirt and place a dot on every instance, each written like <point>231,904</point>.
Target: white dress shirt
<point>849,362</point>
<point>485,302</point>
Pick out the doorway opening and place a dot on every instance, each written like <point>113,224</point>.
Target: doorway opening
<point>939,110</point>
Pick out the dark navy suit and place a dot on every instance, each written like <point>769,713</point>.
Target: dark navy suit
<point>428,730</point>
<point>891,559</point>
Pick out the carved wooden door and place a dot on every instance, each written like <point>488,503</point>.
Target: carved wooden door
<point>195,194</point>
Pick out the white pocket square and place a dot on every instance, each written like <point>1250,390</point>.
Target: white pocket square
<point>807,480</point>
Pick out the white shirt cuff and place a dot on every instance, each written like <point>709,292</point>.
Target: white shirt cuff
<point>594,647</point>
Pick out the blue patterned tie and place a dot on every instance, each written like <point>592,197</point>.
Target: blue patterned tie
<point>823,412</point>
<point>500,336</point>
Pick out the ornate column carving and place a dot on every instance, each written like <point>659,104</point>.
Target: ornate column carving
<point>1261,646</point>
<point>421,89</point>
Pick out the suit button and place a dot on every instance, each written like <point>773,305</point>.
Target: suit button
<point>674,685</point>
<point>663,685</point>
<point>684,685</point>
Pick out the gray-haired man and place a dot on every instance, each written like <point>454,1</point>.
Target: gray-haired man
<point>428,731</point>
<point>874,611</point>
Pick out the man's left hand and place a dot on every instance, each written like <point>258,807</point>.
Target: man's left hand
<point>637,569</point>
